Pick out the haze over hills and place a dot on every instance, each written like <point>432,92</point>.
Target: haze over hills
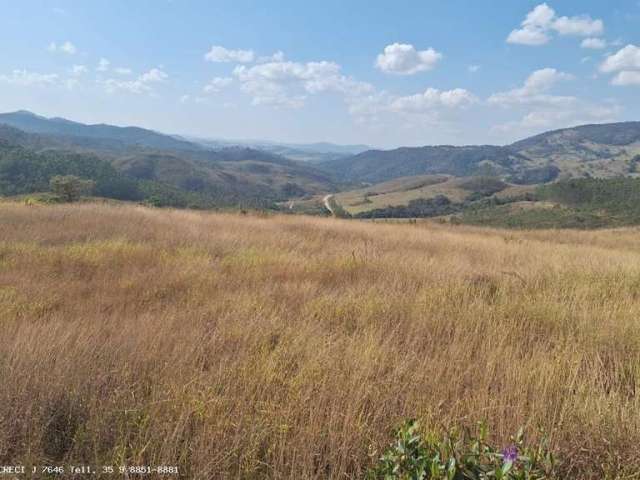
<point>115,136</point>
<point>306,152</point>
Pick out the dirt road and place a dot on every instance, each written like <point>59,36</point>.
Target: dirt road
<point>327,204</point>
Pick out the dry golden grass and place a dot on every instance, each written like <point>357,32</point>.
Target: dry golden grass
<point>289,347</point>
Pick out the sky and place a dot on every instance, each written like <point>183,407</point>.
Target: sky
<point>381,73</point>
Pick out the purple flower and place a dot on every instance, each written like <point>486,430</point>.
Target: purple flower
<point>510,454</point>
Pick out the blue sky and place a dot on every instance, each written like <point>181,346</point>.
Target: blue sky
<point>381,73</point>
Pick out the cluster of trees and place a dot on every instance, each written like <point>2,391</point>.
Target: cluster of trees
<point>619,195</point>
<point>69,175</point>
<point>532,176</point>
<point>24,171</point>
<point>580,203</point>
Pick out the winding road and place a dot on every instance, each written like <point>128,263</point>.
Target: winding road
<point>327,204</point>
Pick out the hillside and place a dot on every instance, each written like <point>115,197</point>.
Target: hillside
<point>605,150</point>
<point>373,201</point>
<point>584,203</point>
<point>180,177</point>
<point>278,347</point>
<point>101,134</point>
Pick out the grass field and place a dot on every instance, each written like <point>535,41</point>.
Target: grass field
<point>289,347</point>
<point>401,191</point>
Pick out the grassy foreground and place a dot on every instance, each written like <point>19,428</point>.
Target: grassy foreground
<point>290,347</point>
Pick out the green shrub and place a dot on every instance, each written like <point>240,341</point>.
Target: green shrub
<point>70,188</point>
<point>416,456</point>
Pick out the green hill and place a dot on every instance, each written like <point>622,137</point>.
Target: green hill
<point>606,150</point>
<point>196,178</point>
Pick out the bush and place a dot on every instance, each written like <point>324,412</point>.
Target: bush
<point>415,456</point>
<point>70,188</point>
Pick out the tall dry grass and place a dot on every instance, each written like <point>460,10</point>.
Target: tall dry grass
<point>289,347</point>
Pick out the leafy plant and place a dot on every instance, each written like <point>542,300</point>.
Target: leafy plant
<point>416,456</point>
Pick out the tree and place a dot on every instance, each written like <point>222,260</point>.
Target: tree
<point>69,187</point>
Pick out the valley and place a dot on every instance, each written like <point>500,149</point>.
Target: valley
<point>502,185</point>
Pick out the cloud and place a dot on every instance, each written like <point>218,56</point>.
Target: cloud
<point>217,84</point>
<point>546,119</point>
<point>528,36</point>
<point>534,90</point>
<point>543,110</point>
<point>536,29</point>
<point>222,55</point>
<point>404,59</point>
<point>123,71</point>
<point>103,65</point>
<point>67,47</point>
<point>593,43</point>
<point>153,76</point>
<point>626,78</point>
<point>143,84</point>
<point>433,106</point>
<point>25,78</point>
<point>276,57</point>
<point>288,84</point>
<point>473,68</point>
<point>626,64</point>
<point>431,99</point>
<point>582,26</point>
<point>78,70</point>
<point>627,58</point>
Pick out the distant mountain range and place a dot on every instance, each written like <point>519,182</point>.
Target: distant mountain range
<point>305,152</point>
<point>108,135</point>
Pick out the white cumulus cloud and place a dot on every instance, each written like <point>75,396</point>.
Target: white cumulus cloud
<point>143,84</point>
<point>627,58</point>
<point>433,98</point>
<point>541,109</point>
<point>541,22</point>
<point>626,64</point>
<point>582,26</point>
<point>220,54</point>
<point>404,59</point>
<point>626,78</point>
<point>288,84</point>
<point>534,90</point>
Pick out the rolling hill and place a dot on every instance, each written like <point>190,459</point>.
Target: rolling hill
<point>172,171</point>
<point>605,150</point>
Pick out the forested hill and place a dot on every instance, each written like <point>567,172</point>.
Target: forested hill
<point>606,150</point>
<point>182,178</point>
